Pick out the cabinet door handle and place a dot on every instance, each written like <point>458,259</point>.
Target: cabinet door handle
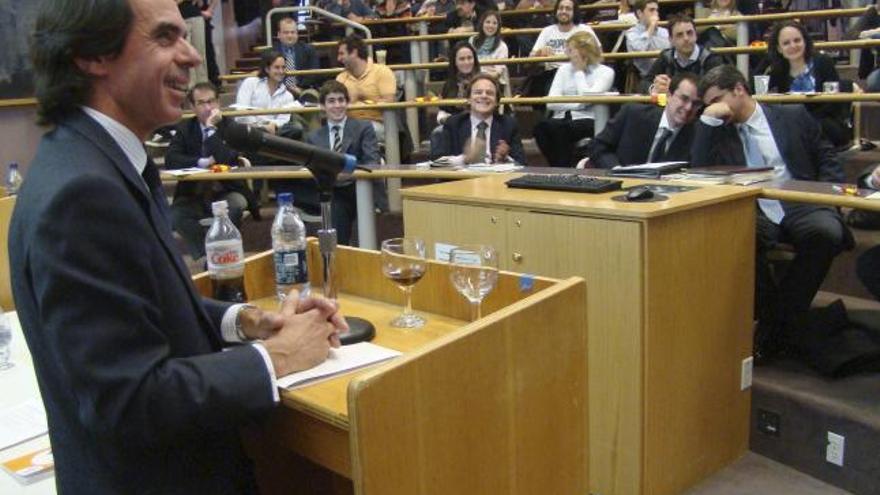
<point>517,257</point>
<point>519,223</point>
<point>493,219</point>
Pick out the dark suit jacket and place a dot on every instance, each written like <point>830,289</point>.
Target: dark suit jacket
<point>807,155</point>
<point>358,139</point>
<point>185,150</point>
<point>304,57</point>
<point>457,131</point>
<point>138,395</point>
<point>666,64</point>
<point>627,138</point>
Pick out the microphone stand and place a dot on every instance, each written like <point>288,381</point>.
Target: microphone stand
<point>360,330</point>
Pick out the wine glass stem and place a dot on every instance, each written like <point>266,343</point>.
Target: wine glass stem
<point>476,314</point>
<point>407,310</point>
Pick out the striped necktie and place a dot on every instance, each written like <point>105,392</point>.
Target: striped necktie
<point>289,65</point>
<point>337,139</point>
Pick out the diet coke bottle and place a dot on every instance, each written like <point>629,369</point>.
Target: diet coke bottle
<point>225,256</point>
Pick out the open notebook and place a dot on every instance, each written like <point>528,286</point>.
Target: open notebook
<point>341,360</point>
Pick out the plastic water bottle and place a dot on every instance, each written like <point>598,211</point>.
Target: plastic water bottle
<point>225,256</point>
<point>13,179</point>
<point>289,246</point>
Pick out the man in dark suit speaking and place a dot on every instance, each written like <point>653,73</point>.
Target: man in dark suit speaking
<point>736,130</point>
<point>198,142</point>
<point>139,396</point>
<point>480,135</point>
<point>647,133</point>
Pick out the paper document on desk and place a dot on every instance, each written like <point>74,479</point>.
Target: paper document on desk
<point>495,167</point>
<point>183,172</point>
<point>658,166</point>
<point>346,358</point>
<point>22,422</point>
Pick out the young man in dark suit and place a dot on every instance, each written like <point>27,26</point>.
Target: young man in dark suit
<point>481,134</point>
<point>734,129</point>
<point>140,395</point>
<point>342,134</point>
<point>649,133</point>
<point>197,142</point>
<point>297,56</point>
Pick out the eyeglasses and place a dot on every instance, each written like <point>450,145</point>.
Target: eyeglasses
<point>685,100</point>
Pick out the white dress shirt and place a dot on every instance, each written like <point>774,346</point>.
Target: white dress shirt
<point>638,40</point>
<point>137,156</point>
<point>254,93</point>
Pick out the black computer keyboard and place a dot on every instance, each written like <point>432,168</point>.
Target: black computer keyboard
<point>565,182</point>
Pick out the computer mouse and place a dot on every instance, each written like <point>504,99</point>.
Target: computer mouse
<point>640,193</point>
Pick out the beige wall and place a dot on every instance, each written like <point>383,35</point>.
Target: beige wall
<point>19,135</point>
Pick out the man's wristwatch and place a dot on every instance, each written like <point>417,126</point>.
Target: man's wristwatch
<point>239,331</point>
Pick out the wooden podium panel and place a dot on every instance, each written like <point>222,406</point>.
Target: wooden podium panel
<point>498,405</point>
<point>669,304</point>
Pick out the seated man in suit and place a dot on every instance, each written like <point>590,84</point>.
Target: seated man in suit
<point>685,55</point>
<point>197,143</point>
<point>736,130</point>
<point>868,263</point>
<point>297,56</point>
<point>648,133</point>
<point>343,134</point>
<point>481,134</point>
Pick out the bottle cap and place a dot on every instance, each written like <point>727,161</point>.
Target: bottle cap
<point>285,198</point>
<point>219,207</point>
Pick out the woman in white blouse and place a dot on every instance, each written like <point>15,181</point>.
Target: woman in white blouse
<point>557,135</point>
<point>266,90</point>
<point>489,46</point>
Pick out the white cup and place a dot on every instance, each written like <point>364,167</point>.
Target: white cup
<point>381,55</point>
<point>831,87</point>
<point>762,85</point>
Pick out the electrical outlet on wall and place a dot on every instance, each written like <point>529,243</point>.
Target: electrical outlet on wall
<point>834,448</point>
<point>745,373</point>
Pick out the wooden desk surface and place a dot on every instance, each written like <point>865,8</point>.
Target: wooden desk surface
<point>327,400</point>
<point>493,191</point>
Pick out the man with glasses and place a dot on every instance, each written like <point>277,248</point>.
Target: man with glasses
<point>197,142</point>
<point>736,130</point>
<point>648,133</point>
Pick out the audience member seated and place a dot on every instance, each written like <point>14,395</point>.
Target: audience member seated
<point>794,67</point>
<point>366,81</point>
<point>490,46</point>
<point>647,35</point>
<point>868,263</point>
<point>463,17</point>
<point>557,135</point>
<point>297,56</point>
<point>736,130</point>
<point>345,135</point>
<point>463,65</point>
<point>354,10</point>
<point>641,133</point>
<point>482,134</point>
<point>522,43</point>
<point>721,34</point>
<point>685,55</point>
<point>197,142</point>
<point>394,9</point>
<point>551,42</point>
<point>868,27</point>
<point>266,91</point>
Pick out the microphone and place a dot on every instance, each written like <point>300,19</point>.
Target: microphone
<point>324,164</point>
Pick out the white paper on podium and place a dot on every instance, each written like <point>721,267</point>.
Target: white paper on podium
<point>21,422</point>
<point>341,360</point>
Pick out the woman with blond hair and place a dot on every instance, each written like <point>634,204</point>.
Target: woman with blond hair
<point>569,122</point>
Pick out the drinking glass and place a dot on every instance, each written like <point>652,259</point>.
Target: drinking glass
<point>403,261</point>
<point>474,273</point>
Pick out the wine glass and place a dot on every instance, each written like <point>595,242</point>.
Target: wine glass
<point>474,273</point>
<point>403,261</point>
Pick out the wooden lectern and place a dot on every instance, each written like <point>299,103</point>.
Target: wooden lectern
<point>498,405</point>
<point>669,308</point>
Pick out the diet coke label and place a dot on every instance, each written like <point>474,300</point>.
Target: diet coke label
<point>225,257</point>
